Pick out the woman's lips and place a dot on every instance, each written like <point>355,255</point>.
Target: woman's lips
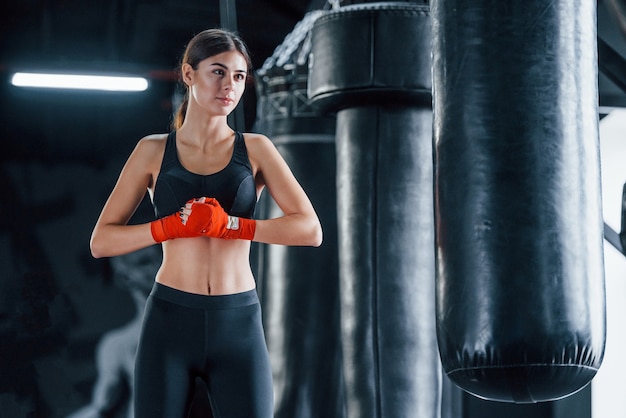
<point>225,100</point>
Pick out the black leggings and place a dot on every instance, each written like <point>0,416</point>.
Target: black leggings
<point>219,339</point>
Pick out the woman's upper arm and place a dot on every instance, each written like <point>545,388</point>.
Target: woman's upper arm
<point>111,236</point>
<point>133,182</point>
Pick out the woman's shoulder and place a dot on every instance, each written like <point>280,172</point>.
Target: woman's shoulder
<point>148,150</point>
<point>257,142</point>
<point>261,150</point>
<point>254,136</point>
<point>153,140</point>
<point>151,144</point>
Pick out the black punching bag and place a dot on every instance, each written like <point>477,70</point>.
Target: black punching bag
<point>299,285</point>
<point>520,276</point>
<point>371,63</point>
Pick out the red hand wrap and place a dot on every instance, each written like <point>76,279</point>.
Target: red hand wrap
<point>170,227</point>
<point>240,228</point>
<point>214,222</point>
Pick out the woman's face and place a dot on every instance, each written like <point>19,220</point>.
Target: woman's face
<point>218,83</point>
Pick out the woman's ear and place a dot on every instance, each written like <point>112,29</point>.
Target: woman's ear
<point>186,72</point>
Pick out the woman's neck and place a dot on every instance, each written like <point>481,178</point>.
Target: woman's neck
<point>212,129</point>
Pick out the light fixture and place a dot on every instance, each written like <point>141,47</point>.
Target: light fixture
<point>79,81</point>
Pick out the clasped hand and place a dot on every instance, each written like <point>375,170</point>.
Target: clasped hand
<point>202,216</point>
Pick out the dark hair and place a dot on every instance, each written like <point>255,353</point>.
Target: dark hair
<point>206,44</point>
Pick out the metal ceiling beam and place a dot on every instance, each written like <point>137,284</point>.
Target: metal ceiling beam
<point>618,240</point>
<point>613,238</point>
<point>228,14</point>
<point>612,64</point>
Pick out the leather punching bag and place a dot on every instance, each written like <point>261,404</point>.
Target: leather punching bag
<point>299,285</point>
<point>371,64</point>
<point>520,276</point>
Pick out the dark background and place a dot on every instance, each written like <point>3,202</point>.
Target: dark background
<point>61,153</point>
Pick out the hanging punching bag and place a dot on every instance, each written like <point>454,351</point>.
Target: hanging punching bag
<point>520,280</point>
<point>298,285</point>
<point>371,64</point>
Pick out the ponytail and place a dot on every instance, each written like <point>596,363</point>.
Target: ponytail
<point>179,118</point>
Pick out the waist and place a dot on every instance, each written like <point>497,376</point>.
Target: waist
<point>206,266</point>
<point>195,300</point>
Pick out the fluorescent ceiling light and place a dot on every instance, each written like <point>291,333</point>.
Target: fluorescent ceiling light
<point>78,81</point>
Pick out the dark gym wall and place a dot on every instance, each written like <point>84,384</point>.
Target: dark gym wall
<point>57,301</point>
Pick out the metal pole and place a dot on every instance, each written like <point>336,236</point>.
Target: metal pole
<point>228,20</point>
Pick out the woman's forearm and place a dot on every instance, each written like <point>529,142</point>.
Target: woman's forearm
<point>112,240</point>
<point>296,229</point>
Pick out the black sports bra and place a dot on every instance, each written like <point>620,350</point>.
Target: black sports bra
<point>234,186</point>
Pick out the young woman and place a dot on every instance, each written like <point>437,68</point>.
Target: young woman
<point>202,319</point>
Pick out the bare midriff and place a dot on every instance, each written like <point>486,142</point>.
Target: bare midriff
<point>206,266</point>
